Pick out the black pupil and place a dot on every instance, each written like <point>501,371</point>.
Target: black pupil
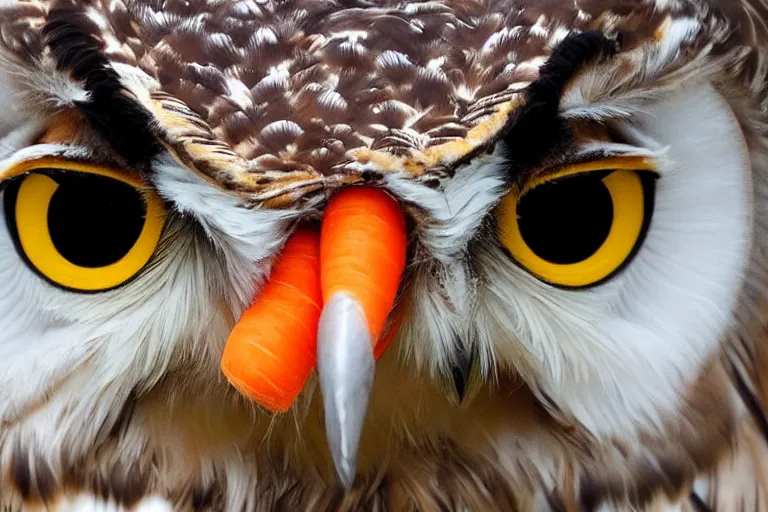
<point>568,220</point>
<point>94,221</point>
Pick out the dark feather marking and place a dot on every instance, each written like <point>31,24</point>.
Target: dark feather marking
<point>121,424</point>
<point>122,484</point>
<point>555,502</point>
<point>665,475</point>
<point>202,498</point>
<point>750,400</point>
<point>126,485</point>
<point>290,499</point>
<point>34,481</point>
<point>126,125</point>
<point>462,368</point>
<point>460,373</point>
<point>45,480</point>
<point>21,472</point>
<point>698,504</point>
<point>536,130</point>
<point>590,495</point>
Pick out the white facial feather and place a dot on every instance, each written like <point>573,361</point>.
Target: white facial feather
<point>56,344</point>
<point>457,210</point>
<point>442,300</point>
<point>101,347</point>
<point>243,237</point>
<point>88,503</point>
<point>618,356</point>
<point>34,91</point>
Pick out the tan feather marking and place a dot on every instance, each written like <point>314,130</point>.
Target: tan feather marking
<point>419,163</point>
<point>658,35</point>
<point>193,144</point>
<point>64,128</point>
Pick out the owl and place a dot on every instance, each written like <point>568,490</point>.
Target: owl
<point>546,222</point>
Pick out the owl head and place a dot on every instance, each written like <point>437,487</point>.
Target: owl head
<point>578,299</point>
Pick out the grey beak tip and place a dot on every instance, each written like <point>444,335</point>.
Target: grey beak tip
<point>345,366</point>
<point>347,478</point>
<point>344,454</point>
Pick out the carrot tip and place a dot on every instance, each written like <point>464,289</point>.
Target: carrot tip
<point>271,350</point>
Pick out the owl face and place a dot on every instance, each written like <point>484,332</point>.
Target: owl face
<point>581,194</point>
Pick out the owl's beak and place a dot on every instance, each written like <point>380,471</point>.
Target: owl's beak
<point>362,254</point>
<point>345,365</point>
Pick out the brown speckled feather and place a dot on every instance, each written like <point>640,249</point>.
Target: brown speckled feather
<point>281,101</point>
<point>298,94</point>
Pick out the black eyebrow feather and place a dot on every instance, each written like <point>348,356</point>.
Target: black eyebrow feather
<point>537,130</point>
<point>74,43</point>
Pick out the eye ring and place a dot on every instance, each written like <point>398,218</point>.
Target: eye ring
<point>631,199</point>
<point>28,203</point>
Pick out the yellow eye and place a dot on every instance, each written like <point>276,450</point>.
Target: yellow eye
<point>577,229</point>
<point>83,227</point>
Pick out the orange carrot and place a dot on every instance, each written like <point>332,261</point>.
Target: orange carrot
<point>388,336</point>
<point>362,251</point>
<point>271,350</point>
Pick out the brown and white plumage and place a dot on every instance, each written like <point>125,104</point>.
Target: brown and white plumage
<point>646,392</point>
